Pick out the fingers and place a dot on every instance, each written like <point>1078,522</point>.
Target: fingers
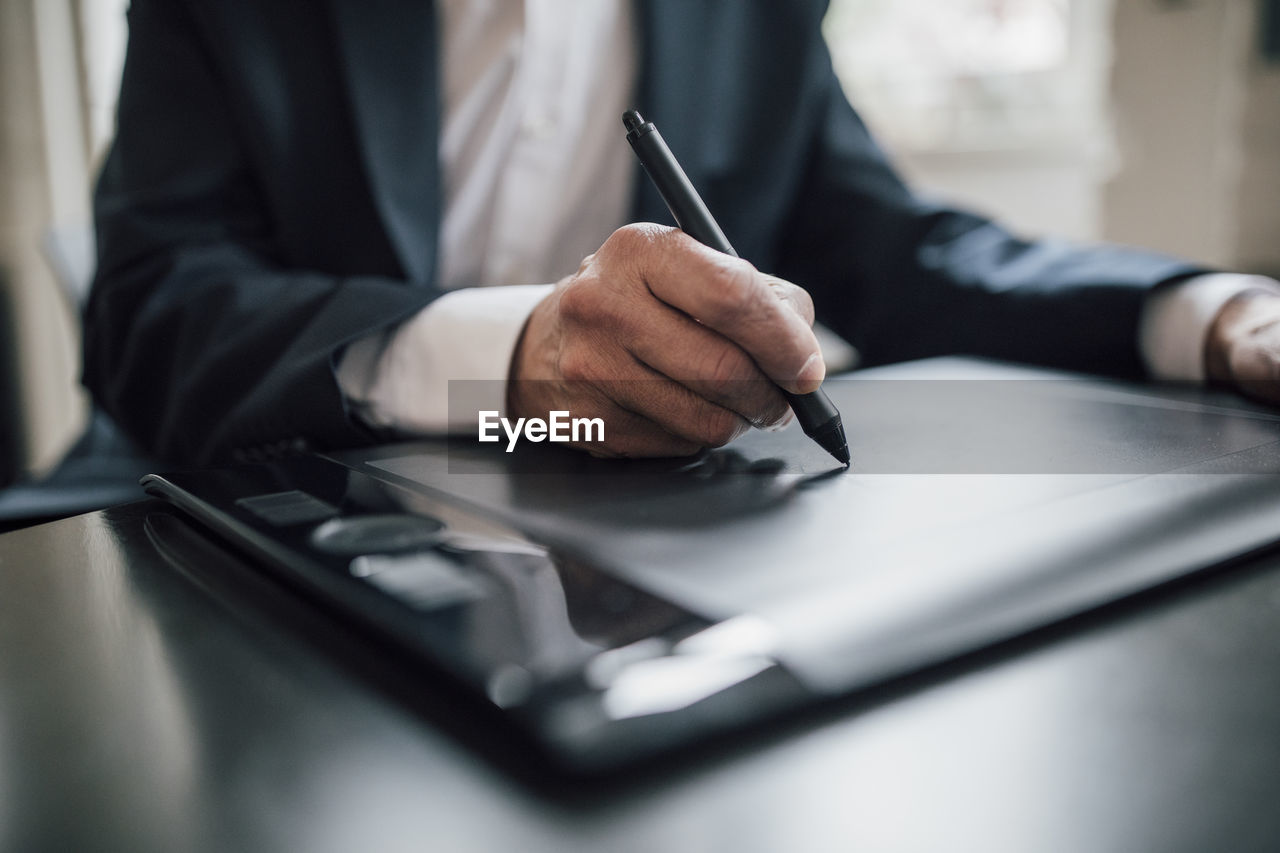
<point>1243,345</point>
<point>1255,364</point>
<point>669,344</point>
<point>616,387</point>
<point>767,318</point>
<point>643,417</point>
<point>677,411</point>
<point>632,436</point>
<point>674,346</point>
<point>565,364</point>
<point>793,295</point>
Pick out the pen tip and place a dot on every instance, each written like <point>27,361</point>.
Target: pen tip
<point>632,119</point>
<point>831,438</point>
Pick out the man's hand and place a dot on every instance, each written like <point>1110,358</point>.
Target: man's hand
<point>675,346</point>
<point>1243,345</point>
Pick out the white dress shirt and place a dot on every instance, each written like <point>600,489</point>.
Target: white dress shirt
<point>536,178</point>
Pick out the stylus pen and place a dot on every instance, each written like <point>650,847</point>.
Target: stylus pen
<point>817,415</point>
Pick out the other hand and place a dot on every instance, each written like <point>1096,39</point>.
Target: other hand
<point>676,346</point>
<point>1243,345</point>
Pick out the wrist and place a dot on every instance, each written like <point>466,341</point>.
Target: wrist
<point>527,358</point>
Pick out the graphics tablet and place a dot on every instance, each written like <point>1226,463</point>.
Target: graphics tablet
<point>616,609</point>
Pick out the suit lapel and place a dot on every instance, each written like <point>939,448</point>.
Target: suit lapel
<point>672,36</point>
<point>388,50</point>
<point>389,59</point>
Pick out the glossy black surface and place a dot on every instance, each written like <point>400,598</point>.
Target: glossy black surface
<point>159,693</point>
<point>140,711</point>
<point>597,671</point>
<point>579,595</point>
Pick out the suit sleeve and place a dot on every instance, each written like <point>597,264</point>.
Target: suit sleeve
<point>903,277</point>
<point>198,340</point>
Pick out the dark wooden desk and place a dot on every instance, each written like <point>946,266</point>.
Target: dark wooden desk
<point>139,712</point>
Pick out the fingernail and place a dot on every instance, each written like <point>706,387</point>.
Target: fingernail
<point>810,377</point>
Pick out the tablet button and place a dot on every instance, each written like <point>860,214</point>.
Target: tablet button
<point>425,581</point>
<point>377,534</point>
<point>285,508</point>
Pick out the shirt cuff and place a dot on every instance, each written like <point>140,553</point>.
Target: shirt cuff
<point>1176,319</point>
<point>400,379</point>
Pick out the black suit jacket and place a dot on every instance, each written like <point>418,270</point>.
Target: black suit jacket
<point>273,193</point>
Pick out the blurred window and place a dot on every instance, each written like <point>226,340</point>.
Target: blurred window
<point>974,74</point>
<point>104,32</point>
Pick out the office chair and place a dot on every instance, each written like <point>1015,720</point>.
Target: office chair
<point>102,467</point>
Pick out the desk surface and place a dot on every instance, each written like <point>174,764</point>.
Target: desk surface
<point>139,711</point>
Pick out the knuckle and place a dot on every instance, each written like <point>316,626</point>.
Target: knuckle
<point>634,251</point>
<point>803,302</point>
<point>728,288</point>
<point>774,411</point>
<point>580,301</point>
<point>727,365</point>
<point>620,240</point>
<point>793,294</point>
<point>718,427</point>
<point>760,403</point>
<point>633,237</point>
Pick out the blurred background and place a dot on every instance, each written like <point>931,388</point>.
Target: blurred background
<point>1150,122</point>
